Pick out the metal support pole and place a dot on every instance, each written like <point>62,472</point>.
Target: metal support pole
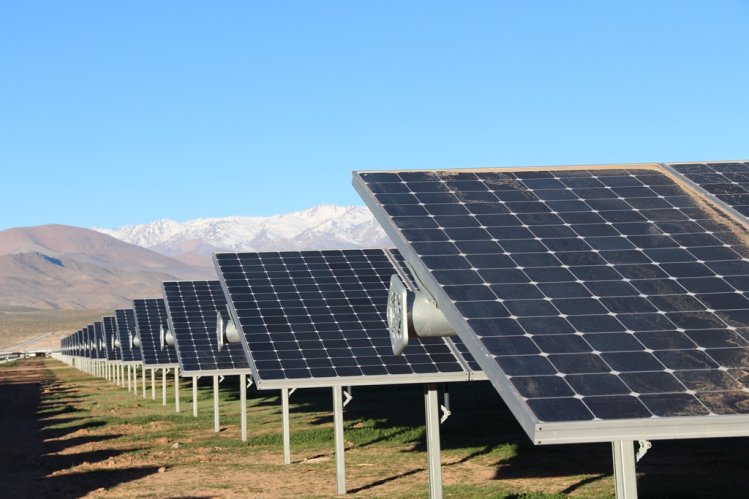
<point>153,383</point>
<point>195,396</point>
<point>216,426</point>
<point>143,379</point>
<point>176,389</point>
<point>431,406</point>
<point>340,457</point>
<point>135,381</point>
<point>625,478</point>
<point>243,404</point>
<point>285,418</point>
<point>163,386</point>
<point>129,380</point>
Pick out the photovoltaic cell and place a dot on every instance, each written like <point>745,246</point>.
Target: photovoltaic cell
<point>318,318</point>
<point>125,319</point>
<point>585,294</point>
<point>150,318</point>
<point>192,307</point>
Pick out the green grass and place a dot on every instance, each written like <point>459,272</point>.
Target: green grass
<point>383,445</point>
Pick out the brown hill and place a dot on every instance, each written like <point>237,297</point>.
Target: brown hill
<point>84,245</point>
<point>56,266</point>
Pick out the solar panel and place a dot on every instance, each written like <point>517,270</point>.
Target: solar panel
<point>150,319</point>
<point>110,328</point>
<point>89,338</point>
<point>602,302</point>
<point>125,319</point>
<point>192,308</point>
<point>318,318</point>
<point>79,346</point>
<point>99,351</point>
<point>724,182</point>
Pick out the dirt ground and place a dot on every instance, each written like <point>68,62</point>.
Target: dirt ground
<point>67,434</point>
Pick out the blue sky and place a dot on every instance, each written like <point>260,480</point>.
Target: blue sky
<point>115,113</point>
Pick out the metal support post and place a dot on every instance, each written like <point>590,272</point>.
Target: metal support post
<point>153,383</point>
<point>625,479</point>
<point>340,457</point>
<point>216,425</point>
<point>135,381</point>
<point>163,386</point>
<point>176,389</point>
<point>243,405</point>
<point>143,380</point>
<point>129,380</point>
<point>285,423</point>
<point>431,406</point>
<point>195,396</point>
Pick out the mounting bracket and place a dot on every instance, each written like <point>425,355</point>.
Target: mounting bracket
<point>446,413</point>
<point>644,446</point>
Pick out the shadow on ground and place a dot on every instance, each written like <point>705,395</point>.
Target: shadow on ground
<point>46,437</point>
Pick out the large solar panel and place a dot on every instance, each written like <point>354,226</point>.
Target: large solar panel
<point>150,319</point>
<point>110,329</point>
<point>318,318</point>
<point>725,182</point>
<point>125,319</point>
<point>192,307</point>
<point>602,302</point>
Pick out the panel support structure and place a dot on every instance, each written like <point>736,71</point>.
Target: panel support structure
<point>216,426</point>
<point>195,396</point>
<point>431,406</point>
<point>129,381</point>
<point>153,383</point>
<point>625,478</point>
<point>135,381</point>
<point>176,389</point>
<point>243,404</point>
<point>340,457</point>
<point>163,386</point>
<point>285,423</point>
<point>143,379</point>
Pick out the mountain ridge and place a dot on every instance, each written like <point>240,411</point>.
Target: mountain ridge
<point>193,241</point>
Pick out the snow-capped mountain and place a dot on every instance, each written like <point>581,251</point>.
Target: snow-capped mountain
<point>192,242</point>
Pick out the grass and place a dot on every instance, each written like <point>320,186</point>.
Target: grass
<point>484,451</point>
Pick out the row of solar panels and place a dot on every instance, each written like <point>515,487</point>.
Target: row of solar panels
<point>311,318</point>
<point>603,302</point>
